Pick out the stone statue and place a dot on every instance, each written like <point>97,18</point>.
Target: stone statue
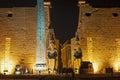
<point>52,53</point>
<point>77,55</point>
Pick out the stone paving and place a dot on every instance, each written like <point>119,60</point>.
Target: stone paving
<point>62,77</point>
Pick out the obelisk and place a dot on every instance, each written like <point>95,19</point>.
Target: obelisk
<point>41,48</point>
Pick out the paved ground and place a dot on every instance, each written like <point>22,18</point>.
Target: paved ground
<point>62,77</point>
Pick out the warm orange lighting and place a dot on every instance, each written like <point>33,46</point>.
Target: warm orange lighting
<point>6,64</point>
<point>95,66</point>
<point>10,67</point>
<point>7,69</point>
<point>116,66</point>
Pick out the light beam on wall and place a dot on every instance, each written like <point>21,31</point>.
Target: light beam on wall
<point>6,67</point>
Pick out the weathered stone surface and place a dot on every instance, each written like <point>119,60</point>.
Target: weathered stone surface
<point>21,28</point>
<point>99,34</point>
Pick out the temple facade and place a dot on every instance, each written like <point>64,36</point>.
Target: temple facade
<point>18,37</point>
<point>96,41</point>
<point>99,34</point>
<point>99,37</point>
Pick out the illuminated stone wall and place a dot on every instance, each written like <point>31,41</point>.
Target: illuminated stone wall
<point>19,24</point>
<point>66,55</point>
<point>72,51</point>
<point>57,44</point>
<point>99,33</point>
<point>75,63</point>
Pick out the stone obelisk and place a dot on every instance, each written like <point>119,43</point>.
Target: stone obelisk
<point>41,48</point>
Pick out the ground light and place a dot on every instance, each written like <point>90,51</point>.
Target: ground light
<point>6,69</point>
<point>95,67</point>
<point>117,67</point>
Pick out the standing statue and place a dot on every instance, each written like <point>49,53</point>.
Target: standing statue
<point>77,56</point>
<point>52,53</point>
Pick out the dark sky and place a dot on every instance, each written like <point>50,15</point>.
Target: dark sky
<point>64,18</point>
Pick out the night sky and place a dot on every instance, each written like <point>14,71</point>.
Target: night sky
<point>64,18</point>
